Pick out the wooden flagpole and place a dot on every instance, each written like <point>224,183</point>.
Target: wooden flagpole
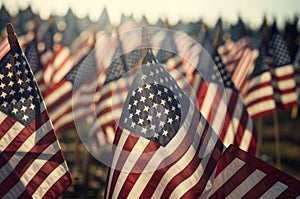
<point>145,41</point>
<point>259,135</point>
<point>277,140</point>
<point>11,37</point>
<point>294,112</point>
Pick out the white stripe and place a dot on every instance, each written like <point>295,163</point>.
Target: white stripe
<point>261,107</point>
<point>247,136</point>
<point>286,84</point>
<point>284,70</point>
<point>247,184</point>
<point>208,100</point>
<point>227,173</point>
<point>258,94</point>
<point>275,190</point>
<point>55,175</point>
<point>264,77</point>
<point>2,118</point>
<point>10,135</point>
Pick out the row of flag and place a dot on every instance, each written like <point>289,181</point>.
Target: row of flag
<point>221,114</point>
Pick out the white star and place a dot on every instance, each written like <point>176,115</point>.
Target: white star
<point>140,89</point>
<point>8,66</point>
<point>156,135</point>
<point>144,130</point>
<point>1,76</point>
<point>152,127</point>
<point>32,106</point>
<point>12,92</point>
<point>177,117</point>
<point>161,123</point>
<point>28,80</point>
<point>24,108</point>
<point>158,114</point>
<point>132,124</point>
<point>14,101</point>
<point>25,117</point>
<point>167,111</point>
<point>146,108</point>
<point>155,105</point>
<point>14,111</point>
<point>16,55</point>
<point>20,81</point>
<point>21,90</point>
<point>170,120</point>
<point>19,73</point>
<point>165,133</point>
<point>129,107</point>
<point>3,94</point>
<point>140,121</point>
<point>169,99</point>
<point>133,93</point>
<point>130,115</point>
<point>159,93</point>
<point>163,102</point>
<point>165,90</point>
<point>29,88</point>
<point>151,73</point>
<point>4,104</point>
<point>149,118</point>
<point>144,77</point>
<point>138,111</point>
<point>2,85</point>
<point>151,96</point>
<point>31,97</point>
<point>18,64</point>
<point>22,99</point>
<point>148,86</point>
<point>9,74</point>
<point>135,102</point>
<point>11,83</point>
<point>143,99</point>
<point>125,120</point>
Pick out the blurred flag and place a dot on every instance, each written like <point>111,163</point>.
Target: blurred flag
<point>259,96</point>
<point>220,103</point>
<point>282,71</point>
<point>164,147</point>
<point>32,164</point>
<point>244,176</point>
<point>297,72</point>
<point>238,57</point>
<point>58,97</point>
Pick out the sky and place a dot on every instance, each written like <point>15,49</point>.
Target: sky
<point>251,11</point>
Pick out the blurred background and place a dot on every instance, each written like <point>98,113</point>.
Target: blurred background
<point>75,21</point>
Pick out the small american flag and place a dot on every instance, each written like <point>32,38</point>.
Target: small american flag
<point>220,102</point>
<point>164,147</point>
<point>32,164</point>
<point>282,71</point>
<point>241,175</point>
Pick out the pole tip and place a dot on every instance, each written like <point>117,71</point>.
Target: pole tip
<point>12,37</point>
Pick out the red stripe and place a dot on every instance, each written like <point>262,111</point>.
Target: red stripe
<point>259,100</point>
<point>214,107</point>
<point>202,93</point>
<point>258,86</point>
<point>59,186</point>
<point>6,124</point>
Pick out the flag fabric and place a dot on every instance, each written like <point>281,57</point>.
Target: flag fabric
<point>32,163</point>
<point>241,175</point>
<point>282,71</point>
<point>164,147</point>
<point>297,73</point>
<point>259,96</point>
<point>222,106</point>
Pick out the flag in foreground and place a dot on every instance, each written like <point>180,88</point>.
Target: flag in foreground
<point>244,176</point>
<point>31,161</point>
<point>164,147</point>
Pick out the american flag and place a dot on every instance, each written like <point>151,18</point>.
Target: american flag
<point>58,97</point>
<point>238,57</point>
<point>32,164</point>
<point>282,71</point>
<point>259,96</point>
<point>244,176</point>
<point>164,147</point>
<point>220,102</point>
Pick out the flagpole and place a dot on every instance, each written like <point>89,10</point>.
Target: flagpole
<point>12,37</point>
<point>145,41</point>
<point>277,140</point>
<point>294,112</point>
<point>259,135</point>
